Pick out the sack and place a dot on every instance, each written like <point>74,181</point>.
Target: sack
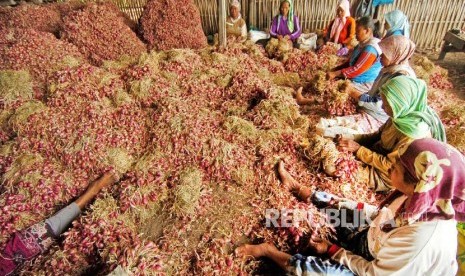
<point>340,125</point>
<point>307,41</point>
<point>255,36</point>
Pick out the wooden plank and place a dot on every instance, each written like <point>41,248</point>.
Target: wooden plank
<point>222,22</point>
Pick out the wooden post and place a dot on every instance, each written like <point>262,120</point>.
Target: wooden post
<point>222,22</point>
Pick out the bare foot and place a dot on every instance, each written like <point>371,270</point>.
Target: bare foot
<point>254,250</point>
<point>299,98</point>
<point>104,181</point>
<point>94,188</point>
<point>286,178</point>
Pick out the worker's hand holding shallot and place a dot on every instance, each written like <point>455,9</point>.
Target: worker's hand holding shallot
<point>349,145</point>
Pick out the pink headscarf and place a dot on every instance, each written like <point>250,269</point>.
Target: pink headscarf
<point>440,171</point>
<point>398,49</point>
<point>339,23</point>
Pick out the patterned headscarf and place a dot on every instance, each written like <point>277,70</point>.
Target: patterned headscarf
<point>235,3</point>
<point>339,23</point>
<point>290,16</point>
<point>398,49</point>
<point>412,116</point>
<point>397,21</point>
<point>440,171</point>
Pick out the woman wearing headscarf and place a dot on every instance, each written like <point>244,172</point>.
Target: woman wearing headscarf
<point>342,29</point>
<point>396,24</point>
<point>364,63</point>
<point>412,232</point>
<point>235,24</point>
<point>405,102</point>
<point>396,53</point>
<point>286,24</point>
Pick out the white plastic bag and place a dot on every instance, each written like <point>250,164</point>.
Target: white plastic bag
<point>339,125</point>
<point>307,41</point>
<point>257,35</point>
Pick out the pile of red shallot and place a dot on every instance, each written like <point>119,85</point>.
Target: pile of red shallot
<point>168,24</point>
<point>99,31</point>
<point>44,18</point>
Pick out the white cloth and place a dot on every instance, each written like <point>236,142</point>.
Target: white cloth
<point>423,248</point>
<point>243,28</point>
<point>376,236</point>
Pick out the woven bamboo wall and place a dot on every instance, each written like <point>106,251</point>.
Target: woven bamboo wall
<point>429,20</point>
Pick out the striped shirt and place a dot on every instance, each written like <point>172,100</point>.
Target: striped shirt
<point>364,65</point>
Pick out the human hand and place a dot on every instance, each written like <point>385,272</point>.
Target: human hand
<point>354,93</point>
<point>348,145</point>
<point>318,245</point>
<point>331,75</point>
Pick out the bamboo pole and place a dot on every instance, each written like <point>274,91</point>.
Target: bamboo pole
<point>222,22</point>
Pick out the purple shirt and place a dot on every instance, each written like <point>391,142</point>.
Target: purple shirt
<point>280,28</point>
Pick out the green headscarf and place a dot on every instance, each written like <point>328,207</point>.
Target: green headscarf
<point>290,15</point>
<point>407,96</point>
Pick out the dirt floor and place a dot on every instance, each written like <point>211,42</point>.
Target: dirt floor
<point>455,63</point>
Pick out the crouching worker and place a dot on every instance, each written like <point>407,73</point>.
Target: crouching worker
<point>420,236</point>
<point>364,62</point>
<point>404,99</point>
<point>235,24</point>
<point>25,245</point>
<point>286,24</point>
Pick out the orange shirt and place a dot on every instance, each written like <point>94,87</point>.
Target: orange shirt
<point>347,33</point>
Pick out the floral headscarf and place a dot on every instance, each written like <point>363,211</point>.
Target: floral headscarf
<point>235,3</point>
<point>397,20</point>
<point>407,96</point>
<point>440,171</point>
<point>290,16</point>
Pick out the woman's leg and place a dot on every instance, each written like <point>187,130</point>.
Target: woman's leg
<point>296,264</point>
<point>59,222</point>
<point>28,243</point>
<point>264,250</point>
<point>302,192</point>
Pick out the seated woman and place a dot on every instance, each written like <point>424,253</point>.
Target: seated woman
<point>286,24</point>
<point>397,51</point>
<point>412,232</point>
<point>342,29</point>
<point>404,100</point>
<point>25,245</point>
<point>364,63</point>
<point>396,24</point>
<point>235,24</point>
